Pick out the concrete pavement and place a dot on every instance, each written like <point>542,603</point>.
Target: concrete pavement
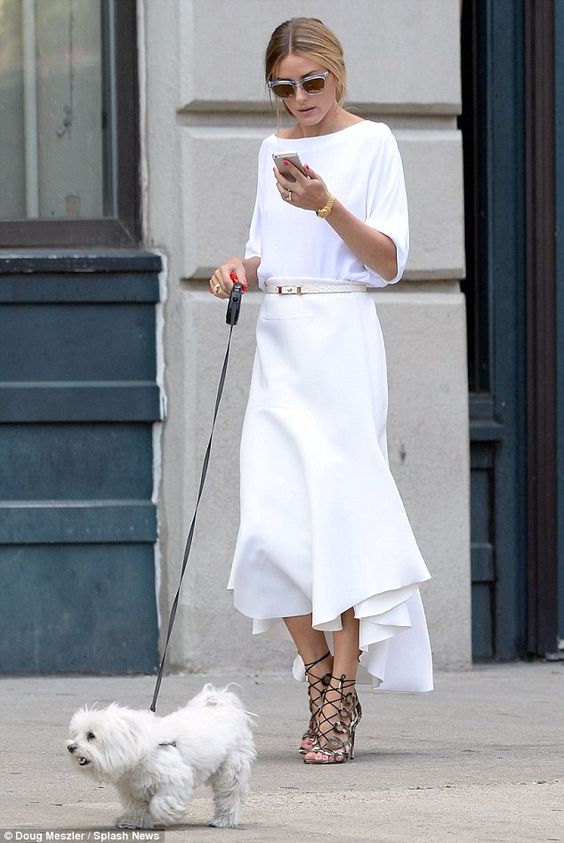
<point>479,759</point>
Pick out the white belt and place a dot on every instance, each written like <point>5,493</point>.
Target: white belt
<point>300,289</point>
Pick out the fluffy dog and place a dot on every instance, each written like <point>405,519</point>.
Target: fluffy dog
<point>157,762</point>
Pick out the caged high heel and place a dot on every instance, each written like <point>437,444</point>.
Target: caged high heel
<point>316,687</point>
<point>337,720</point>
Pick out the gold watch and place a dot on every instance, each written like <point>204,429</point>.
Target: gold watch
<point>325,211</point>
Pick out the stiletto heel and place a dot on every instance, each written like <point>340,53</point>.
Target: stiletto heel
<point>317,683</point>
<point>343,716</point>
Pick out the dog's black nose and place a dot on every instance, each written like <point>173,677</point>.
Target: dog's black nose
<point>71,747</point>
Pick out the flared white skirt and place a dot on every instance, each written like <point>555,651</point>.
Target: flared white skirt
<point>323,527</point>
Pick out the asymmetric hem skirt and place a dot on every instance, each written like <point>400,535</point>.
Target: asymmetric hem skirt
<point>323,527</point>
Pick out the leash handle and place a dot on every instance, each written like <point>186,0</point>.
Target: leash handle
<point>234,305</point>
<point>233,309</point>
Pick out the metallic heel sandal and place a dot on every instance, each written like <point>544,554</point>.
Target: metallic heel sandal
<point>343,715</point>
<point>319,683</point>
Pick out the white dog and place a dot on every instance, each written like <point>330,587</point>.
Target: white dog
<point>157,762</point>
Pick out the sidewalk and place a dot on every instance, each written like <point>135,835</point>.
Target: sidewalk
<point>479,759</point>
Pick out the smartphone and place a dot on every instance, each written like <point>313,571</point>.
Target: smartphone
<point>280,157</point>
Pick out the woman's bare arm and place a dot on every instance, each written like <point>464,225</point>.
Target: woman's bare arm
<point>375,249</point>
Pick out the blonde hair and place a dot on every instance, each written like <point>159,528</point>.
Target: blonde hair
<point>311,37</point>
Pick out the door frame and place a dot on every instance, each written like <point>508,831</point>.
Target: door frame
<point>541,322</point>
<point>492,128</point>
<point>512,123</point>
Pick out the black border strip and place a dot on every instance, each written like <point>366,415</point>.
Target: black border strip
<point>540,267</point>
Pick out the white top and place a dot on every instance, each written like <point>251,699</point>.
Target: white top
<point>361,166</point>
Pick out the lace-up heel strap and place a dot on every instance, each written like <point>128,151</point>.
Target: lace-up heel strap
<point>346,688</point>
<point>335,744</point>
<point>316,687</point>
<point>309,665</point>
<point>319,683</point>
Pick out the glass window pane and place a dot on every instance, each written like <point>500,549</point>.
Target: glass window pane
<point>55,131</point>
<point>12,174</point>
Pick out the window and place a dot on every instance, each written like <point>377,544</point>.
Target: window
<point>68,123</point>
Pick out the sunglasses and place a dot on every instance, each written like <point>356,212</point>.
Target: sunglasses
<point>284,88</point>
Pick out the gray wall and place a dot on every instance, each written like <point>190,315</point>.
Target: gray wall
<point>204,112</point>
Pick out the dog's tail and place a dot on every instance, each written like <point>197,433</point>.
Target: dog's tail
<point>210,695</point>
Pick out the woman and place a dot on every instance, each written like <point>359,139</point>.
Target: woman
<point>324,543</point>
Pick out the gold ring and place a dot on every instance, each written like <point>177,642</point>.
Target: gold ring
<point>217,288</point>
<point>289,196</point>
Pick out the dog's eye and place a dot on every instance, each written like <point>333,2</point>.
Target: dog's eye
<point>90,736</point>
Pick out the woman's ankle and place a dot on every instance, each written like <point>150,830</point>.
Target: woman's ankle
<point>319,664</point>
<point>343,677</point>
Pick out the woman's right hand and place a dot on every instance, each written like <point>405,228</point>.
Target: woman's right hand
<point>222,281</point>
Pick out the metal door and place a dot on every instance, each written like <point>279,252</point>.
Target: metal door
<point>78,400</point>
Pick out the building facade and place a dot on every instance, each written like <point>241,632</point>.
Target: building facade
<point>130,166</point>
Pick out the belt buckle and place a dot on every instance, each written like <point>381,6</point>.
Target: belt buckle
<point>289,291</point>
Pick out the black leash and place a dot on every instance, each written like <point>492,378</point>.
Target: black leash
<point>233,309</point>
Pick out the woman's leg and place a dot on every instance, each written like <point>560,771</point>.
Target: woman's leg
<point>346,648</point>
<point>345,666</point>
<point>312,647</point>
<point>310,643</point>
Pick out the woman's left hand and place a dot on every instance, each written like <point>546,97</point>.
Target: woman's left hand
<point>307,192</point>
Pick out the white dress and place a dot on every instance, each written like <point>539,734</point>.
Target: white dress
<point>323,527</point>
